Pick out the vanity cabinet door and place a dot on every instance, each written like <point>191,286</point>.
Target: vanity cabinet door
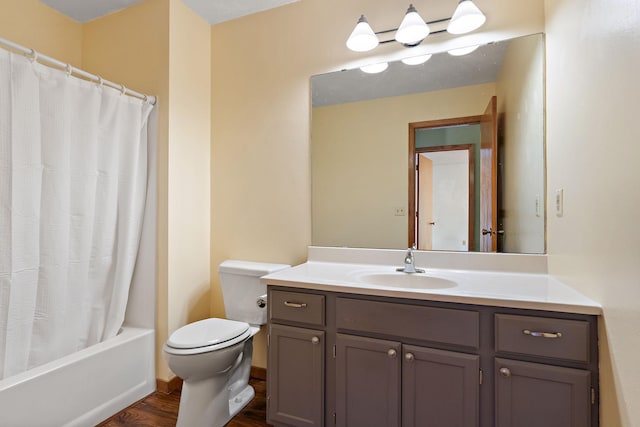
<point>535,395</point>
<point>295,378</point>
<point>367,382</point>
<point>439,388</point>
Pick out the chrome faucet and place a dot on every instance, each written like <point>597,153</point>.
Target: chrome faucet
<point>409,266</point>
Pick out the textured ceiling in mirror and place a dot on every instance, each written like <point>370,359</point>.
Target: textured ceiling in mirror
<point>442,71</point>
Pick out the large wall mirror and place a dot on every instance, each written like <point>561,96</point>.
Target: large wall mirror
<point>448,154</point>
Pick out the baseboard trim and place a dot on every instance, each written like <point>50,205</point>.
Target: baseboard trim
<point>258,373</point>
<point>170,386</point>
<point>175,383</point>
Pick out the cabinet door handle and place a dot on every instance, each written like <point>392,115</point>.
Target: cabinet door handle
<point>315,340</point>
<point>505,372</point>
<point>295,304</point>
<point>409,357</point>
<point>542,334</point>
<point>391,353</point>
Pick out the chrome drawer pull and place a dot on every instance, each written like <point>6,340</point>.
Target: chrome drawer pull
<point>295,304</point>
<point>542,334</point>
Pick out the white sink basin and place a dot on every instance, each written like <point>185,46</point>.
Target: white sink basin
<point>405,280</point>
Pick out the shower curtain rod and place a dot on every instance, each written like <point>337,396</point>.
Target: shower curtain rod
<point>35,56</point>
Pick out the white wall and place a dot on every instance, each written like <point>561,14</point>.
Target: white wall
<point>593,149</point>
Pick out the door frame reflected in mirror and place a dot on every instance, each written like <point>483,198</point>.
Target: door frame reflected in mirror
<point>487,167</point>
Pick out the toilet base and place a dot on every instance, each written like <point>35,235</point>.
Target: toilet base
<point>213,401</point>
<point>198,408</point>
<point>237,403</point>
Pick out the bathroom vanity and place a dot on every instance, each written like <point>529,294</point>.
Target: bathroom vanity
<point>355,344</point>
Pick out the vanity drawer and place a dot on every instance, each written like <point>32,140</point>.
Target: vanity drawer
<point>296,307</point>
<point>443,325</point>
<point>542,336</point>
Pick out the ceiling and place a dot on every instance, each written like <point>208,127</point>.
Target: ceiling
<point>212,11</point>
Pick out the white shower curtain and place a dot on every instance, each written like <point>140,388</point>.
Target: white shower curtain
<point>73,175</point>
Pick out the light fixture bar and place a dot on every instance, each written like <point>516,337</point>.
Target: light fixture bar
<point>393,30</point>
<point>393,40</point>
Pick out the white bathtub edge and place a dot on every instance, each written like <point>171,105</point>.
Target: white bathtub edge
<point>84,388</point>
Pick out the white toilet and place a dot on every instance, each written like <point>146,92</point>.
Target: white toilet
<point>213,356</point>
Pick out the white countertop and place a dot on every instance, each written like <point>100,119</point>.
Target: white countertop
<point>526,290</point>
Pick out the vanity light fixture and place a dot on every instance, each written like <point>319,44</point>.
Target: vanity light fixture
<point>413,29</point>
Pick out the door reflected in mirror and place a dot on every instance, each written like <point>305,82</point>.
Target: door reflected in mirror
<point>367,132</point>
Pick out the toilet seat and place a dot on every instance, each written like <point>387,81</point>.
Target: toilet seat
<point>207,335</point>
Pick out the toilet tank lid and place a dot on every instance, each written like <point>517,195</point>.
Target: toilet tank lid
<point>249,268</point>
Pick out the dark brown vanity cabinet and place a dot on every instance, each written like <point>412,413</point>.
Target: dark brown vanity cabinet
<point>351,360</point>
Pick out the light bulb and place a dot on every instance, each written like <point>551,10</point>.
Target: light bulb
<point>466,18</point>
<point>413,29</point>
<point>362,37</point>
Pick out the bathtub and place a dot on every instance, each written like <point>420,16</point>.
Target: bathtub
<point>84,388</point>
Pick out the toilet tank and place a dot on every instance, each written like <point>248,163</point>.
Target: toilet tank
<point>241,287</point>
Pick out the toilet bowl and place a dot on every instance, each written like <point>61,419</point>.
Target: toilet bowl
<point>213,356</point>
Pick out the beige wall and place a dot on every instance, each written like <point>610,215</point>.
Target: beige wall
<point>36,26</point>
<point>189,171</point>
<point>520,98</point>
<point>592,150</point>
<point>366,146</point>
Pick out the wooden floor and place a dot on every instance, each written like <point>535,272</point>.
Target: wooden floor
<point>161,410</point>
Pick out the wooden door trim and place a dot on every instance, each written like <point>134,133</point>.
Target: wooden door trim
<point>490,117</point>
<point>413,127</point>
